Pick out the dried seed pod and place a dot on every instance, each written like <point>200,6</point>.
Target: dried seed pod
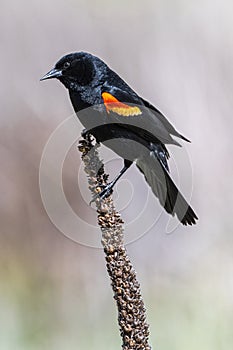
<point>131,310</point>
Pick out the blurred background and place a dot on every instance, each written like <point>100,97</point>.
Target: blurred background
<point>55,293</point>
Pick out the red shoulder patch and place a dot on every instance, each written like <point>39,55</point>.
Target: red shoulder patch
<point>113,105</point>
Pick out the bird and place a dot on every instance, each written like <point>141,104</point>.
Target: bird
<point>132,127</point>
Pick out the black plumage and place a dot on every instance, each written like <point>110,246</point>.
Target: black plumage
<point>119,118</point>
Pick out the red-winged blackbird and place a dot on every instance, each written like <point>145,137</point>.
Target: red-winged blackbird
<point>116,116</point>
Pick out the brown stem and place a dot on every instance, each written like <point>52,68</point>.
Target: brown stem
<point>131,310</point>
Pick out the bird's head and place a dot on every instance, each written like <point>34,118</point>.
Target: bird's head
<point>77,70</point>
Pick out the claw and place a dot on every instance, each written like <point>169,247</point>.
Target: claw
<point>84,133</point>
<point>106,192</point>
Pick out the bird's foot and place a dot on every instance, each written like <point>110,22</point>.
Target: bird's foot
<point>106,192</point>
<point>85,133</point>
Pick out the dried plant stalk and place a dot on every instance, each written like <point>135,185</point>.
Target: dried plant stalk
<point>131,310</point>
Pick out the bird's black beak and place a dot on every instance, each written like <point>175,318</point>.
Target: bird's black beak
<point>53,73</point>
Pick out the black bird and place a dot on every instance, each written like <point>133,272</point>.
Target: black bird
<point>116,116</point>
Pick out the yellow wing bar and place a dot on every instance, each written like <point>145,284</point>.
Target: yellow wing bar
<point>113,105</point>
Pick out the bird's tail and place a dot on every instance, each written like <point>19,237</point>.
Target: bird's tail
<point>165,190</point>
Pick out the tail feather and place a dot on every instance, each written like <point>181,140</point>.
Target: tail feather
<point>165,190</point>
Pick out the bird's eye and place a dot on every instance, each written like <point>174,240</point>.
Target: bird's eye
<point>66,65</point>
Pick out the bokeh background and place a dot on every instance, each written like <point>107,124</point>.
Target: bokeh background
<point>55,293</point>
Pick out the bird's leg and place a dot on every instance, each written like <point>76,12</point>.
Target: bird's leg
<point>107,190</point>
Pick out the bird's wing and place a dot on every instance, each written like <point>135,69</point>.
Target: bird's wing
<point>126,107</point>
<point>164,120</point>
